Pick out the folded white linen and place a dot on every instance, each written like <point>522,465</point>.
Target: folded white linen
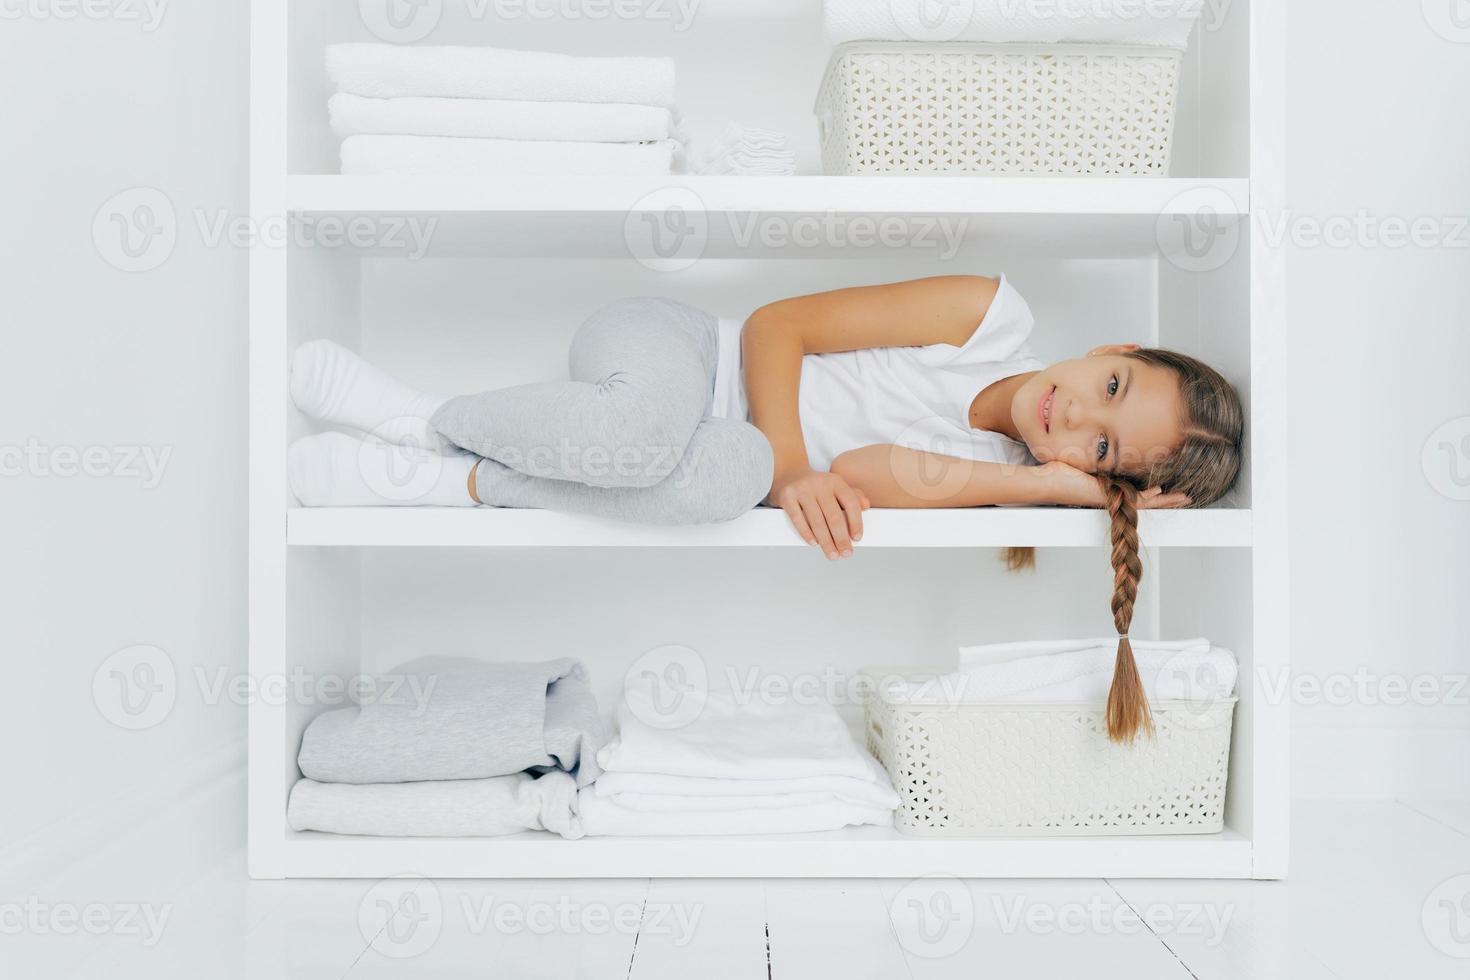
<point>602,816</point>
<point>586,122</point>
<point>734,740</point>
<point>1159,22</point>
<point>654,791</point>
<point>459,808</point>
<point>1081,671</point>
<point>738,167</point>
<point>454,156</point>
<point>648,803</point>
<point>745,151</point>
<point>387,71</point>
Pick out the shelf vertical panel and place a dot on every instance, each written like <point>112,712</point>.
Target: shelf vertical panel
<point>1270,724</point>
<point>267,440</point>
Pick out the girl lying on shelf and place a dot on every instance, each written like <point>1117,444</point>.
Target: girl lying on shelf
<point>912,394</point>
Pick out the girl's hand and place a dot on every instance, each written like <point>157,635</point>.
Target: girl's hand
<point>1071,487</point>
<point>824,509</point>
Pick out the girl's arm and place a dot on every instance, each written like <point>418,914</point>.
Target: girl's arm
<point>893,476</point>
<point>825,509</point>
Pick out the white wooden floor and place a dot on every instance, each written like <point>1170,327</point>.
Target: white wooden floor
<point>1373,893</point>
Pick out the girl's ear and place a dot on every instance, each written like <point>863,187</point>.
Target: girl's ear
<point>1106,349</point>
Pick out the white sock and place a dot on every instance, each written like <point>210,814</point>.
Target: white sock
<point>338,470</point>
<point>332,384</point>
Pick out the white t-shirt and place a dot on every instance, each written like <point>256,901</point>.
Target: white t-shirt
<point>917,397</point>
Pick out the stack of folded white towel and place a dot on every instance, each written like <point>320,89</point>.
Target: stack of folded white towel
<point>1166,23</point>
<point>471,111</point>
<point>739,768</point>
<point>747,151</point>
<point>491,111</point>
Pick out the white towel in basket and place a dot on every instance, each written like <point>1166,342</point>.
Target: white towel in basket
<point>387,71</point>
<point>1160,22</point>
<point>1081,671</point>
<point>452,156</point>
<point>586,122</point>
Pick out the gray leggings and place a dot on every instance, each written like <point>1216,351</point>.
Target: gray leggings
<point>628,436</point>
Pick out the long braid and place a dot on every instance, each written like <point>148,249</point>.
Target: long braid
<point>1127,710</point>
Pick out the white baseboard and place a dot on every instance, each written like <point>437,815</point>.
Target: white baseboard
<point>1380,763</point>
<point>169,830</point>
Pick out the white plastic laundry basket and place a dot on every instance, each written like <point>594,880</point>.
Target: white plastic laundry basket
<point>1002,768</point>
<point>1021,109</point>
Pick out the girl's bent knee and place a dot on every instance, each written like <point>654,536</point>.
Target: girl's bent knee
<point>739,478</point>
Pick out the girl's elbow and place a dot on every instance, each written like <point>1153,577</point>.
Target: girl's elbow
<point>855,465</point>
<point>763,318</point>
<point>845,465</point>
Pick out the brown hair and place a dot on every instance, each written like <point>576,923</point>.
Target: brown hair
<point>1203,467</point>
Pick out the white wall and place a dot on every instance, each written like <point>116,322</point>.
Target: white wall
<point>94,356</point>
<point>97,357</point>
<point>1380,359</point>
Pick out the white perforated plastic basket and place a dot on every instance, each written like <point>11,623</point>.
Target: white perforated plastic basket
<point>1003,768</point>
<point>1033,109</point>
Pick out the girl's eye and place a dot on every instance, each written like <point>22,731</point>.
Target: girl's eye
<point>1112,386</point>
<point>1102,447</point>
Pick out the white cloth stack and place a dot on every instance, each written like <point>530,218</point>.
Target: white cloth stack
<point>490,111</point>
<point>456,808</point>
<point>747,152</point>
<point>390,71</point>
<point>1080,671</point>
<point>509,119</point>
<point>1166,23</point>
<point>448,156</point>
<point>738,768</point>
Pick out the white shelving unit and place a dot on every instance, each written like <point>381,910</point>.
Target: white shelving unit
<point>506,269</point>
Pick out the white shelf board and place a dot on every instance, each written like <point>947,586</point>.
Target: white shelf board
<point>866,852</point>
<point>939,194</point>
<point>987,527</point>
<point>768,217</point>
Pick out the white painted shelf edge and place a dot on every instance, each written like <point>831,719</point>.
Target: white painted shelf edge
<point>857,852</point>
<point>971,528</point>
<point>1154,197</point>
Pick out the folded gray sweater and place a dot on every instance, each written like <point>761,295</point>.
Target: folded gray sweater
<point>459,718</point>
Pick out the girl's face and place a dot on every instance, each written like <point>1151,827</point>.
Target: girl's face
<point>1101,413</point>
